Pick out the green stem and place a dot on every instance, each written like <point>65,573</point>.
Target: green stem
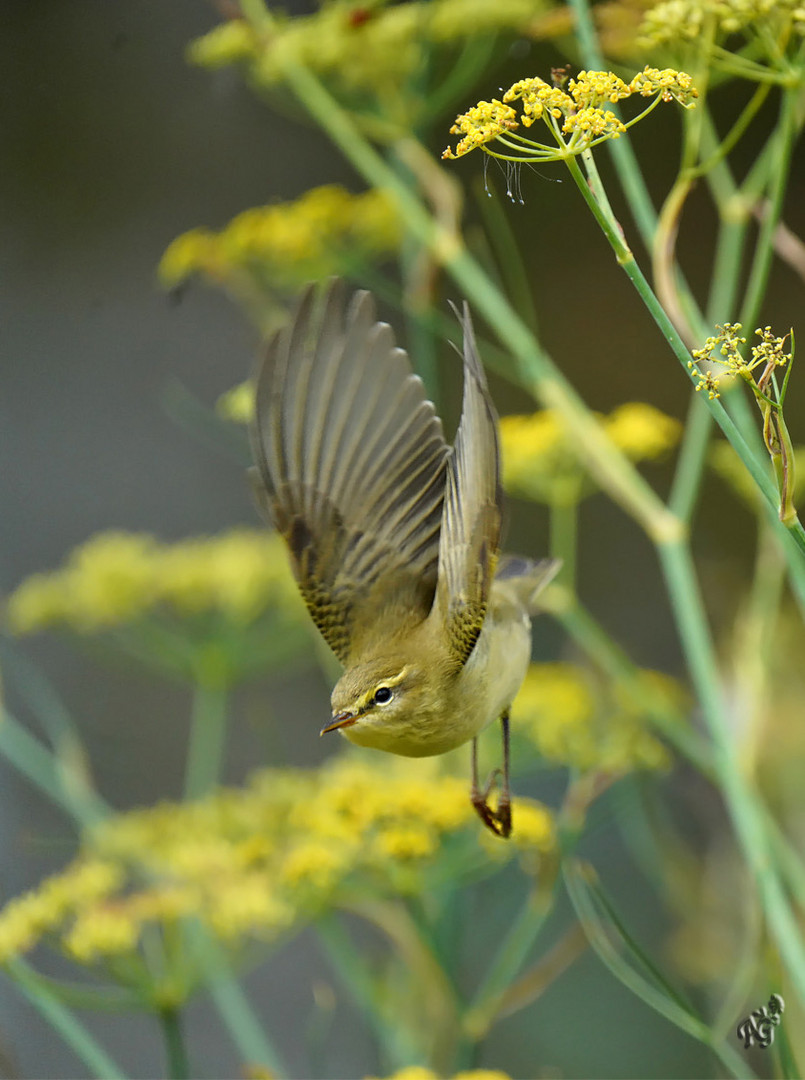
<point>788,858</point>
<point>656,997</point>
<point>207,740</point>
<point>692,456</point>
<point>511,955</point>
<point>779,176</point>
<point>736,132</point>
<point>178,1067</point>
<point>45,771</point>
<point>726,265</point>
<point>742,802</point>
<point>70,756</point>
<point>418,274</point>
<point>564,523</point>
<point>62,1020</point>
<point>350,967</point>
<point>437,994</point>
<point>621,150</point>
<point>755,639</point>
<point>234,1007</point>
<point>535,370</point>
<point>627,262</point>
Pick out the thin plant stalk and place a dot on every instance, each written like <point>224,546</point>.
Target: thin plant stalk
<point>206,747</point>
<point>627,262</point>
<point>46,772</point>
<point>511,954</point>
<point>655,997</point>
<point>349,966</point>
<point>691,461</point>
<point>742,802</point>
<point>80,1041</point>
<point>779,176</point>
<point>564,540</point>
<point>178,1066</point>
<point>233,1005</point>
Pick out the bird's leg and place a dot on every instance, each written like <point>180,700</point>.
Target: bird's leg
<point>504,810</point>
<point>478,797</point>
<point>499,820</point>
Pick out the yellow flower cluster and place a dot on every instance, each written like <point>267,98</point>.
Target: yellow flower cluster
<point>671,85</point>
<point>25,920</point>
<point>287,244</point>
<point>539,461</point>
<point>676,23</point>
<point>725,349</point>
<point>573,720</point>
<point>362,47</point>
<point>580,113</point>
<point>254,863</point>
<point>116,578</point>
<point>481,124</point>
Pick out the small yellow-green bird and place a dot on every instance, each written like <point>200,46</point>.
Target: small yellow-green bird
<point>394,536</point>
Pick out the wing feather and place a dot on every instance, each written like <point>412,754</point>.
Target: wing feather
<point>471,516</point>
<point>350,463</point>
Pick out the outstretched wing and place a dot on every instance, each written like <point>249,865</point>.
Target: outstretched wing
<point>351,462</point>
<point>471,518</point>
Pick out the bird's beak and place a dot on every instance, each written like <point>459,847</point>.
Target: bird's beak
<point>344,719</point>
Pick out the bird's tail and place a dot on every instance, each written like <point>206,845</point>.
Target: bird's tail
<point>526,578</point>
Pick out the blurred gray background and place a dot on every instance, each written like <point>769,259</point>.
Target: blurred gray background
<point>111,146</point>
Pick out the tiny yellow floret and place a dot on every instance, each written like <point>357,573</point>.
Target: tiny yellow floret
<point>480,124</point>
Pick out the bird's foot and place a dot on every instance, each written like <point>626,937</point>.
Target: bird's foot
<point>498,819</point>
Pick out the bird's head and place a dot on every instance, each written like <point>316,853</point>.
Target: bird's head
<point>376,703</point>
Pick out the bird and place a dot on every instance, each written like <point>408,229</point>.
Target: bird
<point>394,536</point>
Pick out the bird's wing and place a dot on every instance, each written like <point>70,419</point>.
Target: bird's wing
<point>471,518</point>
<point>350,464</point>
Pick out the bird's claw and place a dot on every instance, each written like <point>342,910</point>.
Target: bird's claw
<point>499,819</point>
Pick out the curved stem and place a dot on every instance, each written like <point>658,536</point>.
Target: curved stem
<point>663,259</point>
<point>62,1020</point>
<point>439,998</point>
<point>753,463</point>
<point>45,771</point>
<point>657,995</point>
<point>734,135</point>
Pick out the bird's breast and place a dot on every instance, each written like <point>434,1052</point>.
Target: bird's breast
<point>498,664</point>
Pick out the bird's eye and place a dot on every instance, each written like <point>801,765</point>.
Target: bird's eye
<point>382,695</point>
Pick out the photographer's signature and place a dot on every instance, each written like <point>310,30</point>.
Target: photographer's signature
<point>759,1027</point>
